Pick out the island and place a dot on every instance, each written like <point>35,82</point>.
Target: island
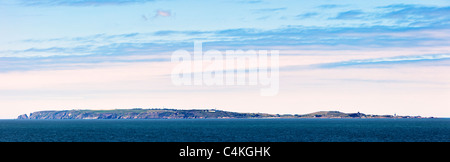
<point>139,113</point>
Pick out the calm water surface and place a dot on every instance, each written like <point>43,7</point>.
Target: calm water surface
<point>227,130</point>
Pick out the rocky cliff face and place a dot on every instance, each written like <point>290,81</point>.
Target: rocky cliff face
<point>23,116</point>
<point>88,115</point>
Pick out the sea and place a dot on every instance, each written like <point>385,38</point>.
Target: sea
<point>227,130</point>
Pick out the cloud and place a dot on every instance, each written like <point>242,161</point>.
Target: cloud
<point>266,13</point>
<point>307,15</point>
<point>156,14</point>
<point>433,33</point>
<point>163,41</point>
<point>334,47</point>
<point>392,60</point>
<point>352,14</point>
<point>81,2</point>
<point>269,10</point>
<point>330,6</point>
<point>417,15</point>
<point>376,36</point>
<point>162,13</point>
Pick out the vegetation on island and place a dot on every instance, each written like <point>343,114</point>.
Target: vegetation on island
<point>139,113</point>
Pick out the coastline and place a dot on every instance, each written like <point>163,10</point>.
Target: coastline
<point>138,113</point>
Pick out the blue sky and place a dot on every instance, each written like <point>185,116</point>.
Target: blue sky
<point>62,27</point>
<point>400,41</point>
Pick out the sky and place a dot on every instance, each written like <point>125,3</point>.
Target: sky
<point>375,57</point>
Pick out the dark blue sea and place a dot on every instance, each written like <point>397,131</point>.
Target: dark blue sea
<point>227,130</point>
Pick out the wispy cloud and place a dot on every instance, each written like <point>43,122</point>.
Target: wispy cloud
<point>307,15</point>
<point>269,10</point>
<point>156,14</point>
<point>330,6</point>
<point>81,2</point>
<point>389,60</point>
<point>399,15</point>
<point>352,14</point>
<point>163,13</point>
<point>417,15</point>
<point>105,44</point>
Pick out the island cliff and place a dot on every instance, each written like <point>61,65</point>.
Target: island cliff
<point>185,114</point>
